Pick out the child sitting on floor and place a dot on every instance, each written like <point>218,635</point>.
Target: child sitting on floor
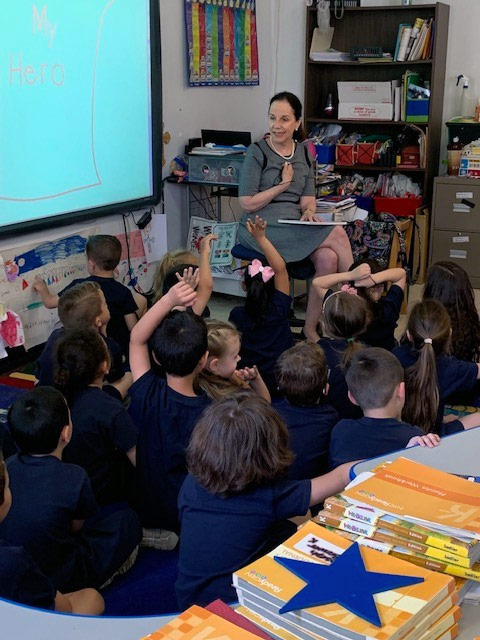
<point>301,374</point>
<point>263,320</point>
<point>103,255</point>
<point>220,377</point>
<point>104,435</point>
<point>344,319</point>
<point>375,383</point>
<point>55,515</point>
<point>83,306</point>
<point>431,374</point>
<point>171,259</point>
<point>23,582</point>
<point>165,411</point>
<point>234,502</point>
<point>382,310</point>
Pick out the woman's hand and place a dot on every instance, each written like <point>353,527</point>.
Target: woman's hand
<point>287,174</point>
<point>310,216</point>
<point>257,228</point>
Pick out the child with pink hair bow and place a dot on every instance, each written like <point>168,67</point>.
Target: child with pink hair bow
<point>263,319</point>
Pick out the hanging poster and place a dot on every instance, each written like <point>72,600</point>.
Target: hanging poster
<point>222,42</point>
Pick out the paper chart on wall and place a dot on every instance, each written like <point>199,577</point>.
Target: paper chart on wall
<point>57,262</point>
<point>133,273</point>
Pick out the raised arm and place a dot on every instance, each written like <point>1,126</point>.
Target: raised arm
<point>323,283</point>
<point>330,483</point>
<point>251,204</point>
<point>205,280</point>
<point>50,300</point>
<point>396,276</point>
<point>180,294</point>
<point>274,259</point>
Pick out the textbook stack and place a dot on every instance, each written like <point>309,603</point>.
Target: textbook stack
<point>423,611</point>
<point>421,521</point>
<point>415,42</point>
<point>334,206</point>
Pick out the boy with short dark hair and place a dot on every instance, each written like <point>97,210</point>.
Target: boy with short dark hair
<point>166,410</point>
<point>103,255</point>
<point>53,499</point>
<point>301,373</point>
<point>375,381</point>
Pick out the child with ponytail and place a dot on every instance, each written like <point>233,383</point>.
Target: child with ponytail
<point>344,319</point>
<point>104,435</point>
<point>263,320</point>
<point>431,374</point>
<point>220,377</point>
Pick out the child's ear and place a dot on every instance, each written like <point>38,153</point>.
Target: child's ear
<point>66,434</point>
<point>91,266</point>
<point>326,390</point>
<point>202,362</point>
<point>352,399</point>
<point>104,368</point>
<point>98,322</point>
<point>212,364</point>
<point>400,391</point>
<point>409,337</point>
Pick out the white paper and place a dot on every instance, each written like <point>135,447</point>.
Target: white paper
<point>154,238</point>
<point>314,224</point>
<point>464,194</point>
<point>458,239</point>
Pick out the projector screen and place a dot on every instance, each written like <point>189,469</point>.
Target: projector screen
<point>79,82</point>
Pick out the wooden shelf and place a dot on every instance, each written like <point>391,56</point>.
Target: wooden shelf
<point>417,7</point>
<point>398,123</point>
<point>374,167</point>
<point>355,63</point>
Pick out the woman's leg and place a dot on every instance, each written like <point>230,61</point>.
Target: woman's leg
<point>334,254</point>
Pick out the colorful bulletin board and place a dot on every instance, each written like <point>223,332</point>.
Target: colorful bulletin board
<point>222,42</point>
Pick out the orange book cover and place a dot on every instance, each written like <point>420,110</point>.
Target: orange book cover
<point>400,610</point>
<point>443,624</point>
<point>197,623</point>
<point>412,490</point>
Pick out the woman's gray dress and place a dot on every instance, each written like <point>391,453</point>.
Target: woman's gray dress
<point>293,242</point>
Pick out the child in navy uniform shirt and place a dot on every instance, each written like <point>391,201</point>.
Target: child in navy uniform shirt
<point>104,435</point>
<point>165,411</point>
<point>23,582</point>
<point>301,374</point>
<point>83,306</point>
<point>103,255</point>
<point>234,500</point>
<point>344,319</point>
<point>263,320</point>
<point>431,374</point>
<point>54,498</point>
<point>375,382</point>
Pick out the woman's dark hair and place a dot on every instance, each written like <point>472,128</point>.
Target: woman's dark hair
<point>3,478</point>
<point>238,443</point>
<point>448,283</point>
<point>373,308</point>
<point>345,318</point>
<point>296,105</point>
<point>79,357</point>
<point>259,296</point>
<point>428,321</point>
<point>170,279</point>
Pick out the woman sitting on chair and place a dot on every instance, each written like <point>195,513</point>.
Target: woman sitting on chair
<point>277,182</point>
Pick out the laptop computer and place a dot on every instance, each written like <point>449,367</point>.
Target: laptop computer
<point>226,138</point>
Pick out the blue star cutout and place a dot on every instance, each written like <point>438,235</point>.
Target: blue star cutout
<point>345,581</point>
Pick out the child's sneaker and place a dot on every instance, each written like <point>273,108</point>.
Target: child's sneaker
<point>128,564</point>
<point>159,539</point>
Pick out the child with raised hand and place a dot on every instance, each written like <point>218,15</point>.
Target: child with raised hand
<point>431,374</point>
<point>383,310</point>
<point>84,306</point>
<point>375,382</point>
<point>104,435</point>
<point>235,500</point>
<point>344,319</point>
<point>165,410</point>
<point>54,515</point>
<point>220,377</point>
<point>22,581</point>
<point>103,254</point>
<point>171,259</point>
<point>263,320</point>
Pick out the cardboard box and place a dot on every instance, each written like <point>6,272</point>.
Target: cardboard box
<point>365,100</point>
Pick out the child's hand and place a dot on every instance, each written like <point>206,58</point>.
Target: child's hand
<point>190,276</point>
<point>257,228</point>
<point>181,295</point>
<point>247,374</point>
<point>39,285</point>
<point>360,273</point>
<point>206,243</point>
<point>428,440</point>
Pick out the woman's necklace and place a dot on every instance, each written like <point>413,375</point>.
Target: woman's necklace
<point>294,146</point>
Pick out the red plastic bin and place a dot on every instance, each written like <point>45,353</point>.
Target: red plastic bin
<point>401,207</point>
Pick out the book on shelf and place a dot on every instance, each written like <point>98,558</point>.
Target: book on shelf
<point>264,586</point>
<point>413,36</point>
<point>401,29</point>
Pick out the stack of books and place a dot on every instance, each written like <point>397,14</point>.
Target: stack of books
<point>415,42</point>
<point>334,206</point>
<point>424,611</point>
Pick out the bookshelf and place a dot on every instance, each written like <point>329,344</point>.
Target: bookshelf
<point>365,26</point>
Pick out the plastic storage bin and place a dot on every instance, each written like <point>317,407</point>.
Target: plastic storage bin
<point>223,170</point>
<point>325,153</point>
<point>401,207</point>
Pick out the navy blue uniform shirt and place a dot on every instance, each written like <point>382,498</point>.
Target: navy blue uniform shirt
<point>47,362</point>
<point>380,332</point>
<point>368,438</point>
<point>264,342</point>
<point>309,429</point>
<point>48,495</point>
<point>22,581</point>
<point>120,303</point>
<point>452,375</point>
<point>102,429</point>
<point>165,421</point>
<point>221,535</point>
